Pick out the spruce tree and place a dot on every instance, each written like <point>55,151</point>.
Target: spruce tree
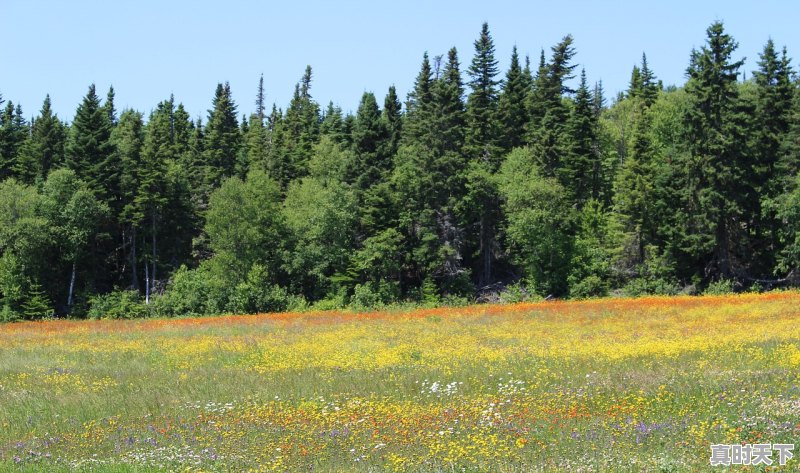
<point>14,131</point>
<point>481,116</point>
<point>649,86</point>
<point>370,136</point>
<point>773,108</point>
<point>513,115</point>
<point>419,106</point>
<point>581,171</point>
<point>393,118</point>
<point>446,131</point>
<point>108,106</point>
<point>128,137</point>
<point>90,150</point>
<point>222,139</point>
<point>715,180</point>
<point>332,124</point>
<point>635,84</point>
<point>48,137</point>
<point>300,128</point>
<point>549,113</point>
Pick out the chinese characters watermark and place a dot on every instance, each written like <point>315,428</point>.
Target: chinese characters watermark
<point>747,454</point>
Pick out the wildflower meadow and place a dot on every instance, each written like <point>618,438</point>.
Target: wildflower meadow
<point>604,385</point>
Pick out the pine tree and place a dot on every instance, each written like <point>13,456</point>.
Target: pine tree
<point>598,99</point>
<point>182,130</point>
<point>157,152</point>
<point>260,103</point>
<point>332,124</point>
<point>634,195</point>
<point>36,304</point>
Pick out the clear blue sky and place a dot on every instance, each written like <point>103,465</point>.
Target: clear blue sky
<point>149,49</point>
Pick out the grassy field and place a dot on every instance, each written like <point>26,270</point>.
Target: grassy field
<point>608,385</point>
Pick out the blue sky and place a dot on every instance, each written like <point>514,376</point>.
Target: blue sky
<point>149,49</point>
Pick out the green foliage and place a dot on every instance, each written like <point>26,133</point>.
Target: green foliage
<point>429,294</point>
<point>321,221</point>
<point>118,305</point>
<point>244,223</point>
<point>257,294</point>
<point>654,277</point>
<point>90,150</point>
<point>222,138</point>
<point>540,223</point>
<point>592,254</point>
<point>719,288</point>
<point>476,183</point>
<point>375,295</point>
<point>201,291</point>
<point>514,293</point>
<point>481,115</point>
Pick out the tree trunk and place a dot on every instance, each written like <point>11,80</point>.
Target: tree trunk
<point>71,285</point>
<point>134,271</point>
<point>485,251</point>
<point>153,272</point>
<point>146,283</point>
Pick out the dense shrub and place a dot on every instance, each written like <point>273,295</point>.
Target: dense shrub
<point>118,305</point>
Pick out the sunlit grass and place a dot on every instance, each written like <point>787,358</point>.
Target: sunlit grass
<point>607,385</point>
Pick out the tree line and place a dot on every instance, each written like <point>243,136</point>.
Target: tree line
<point>481,181</point>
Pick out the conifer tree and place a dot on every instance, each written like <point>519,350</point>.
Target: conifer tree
<point>332,124</point>
<point>297,131</point>
<point>513,115</point>
<point>90,151</point>
<point>14,131</point>
<point>48,137</point>
<point>649,86</point>
<point>715,182</point>
<point>419,105</point>
<point>481,116</point>
<point>446,130</point>
<point>222,139</point>
<point>549,114</point>
<point>393,118</point>
<point>370,136</point>
<point>772,118</point>
<point>128,137</point>
<point>108,106</point>
<point>581,173</point>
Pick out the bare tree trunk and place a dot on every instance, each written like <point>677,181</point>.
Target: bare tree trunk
<point>146,283</point>
<point>485,251</point>
<point>71,285</point>
<point>153,272</point>
<point>134,271</point>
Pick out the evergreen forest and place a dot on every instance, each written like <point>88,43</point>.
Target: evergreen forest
<point>481,184</point>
